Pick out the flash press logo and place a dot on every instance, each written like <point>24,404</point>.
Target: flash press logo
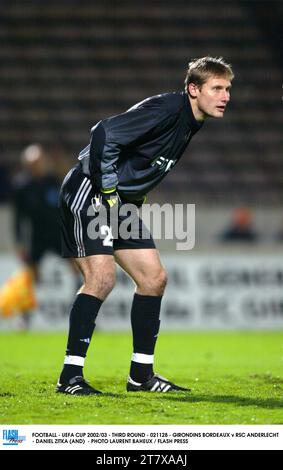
<point>11,437</point>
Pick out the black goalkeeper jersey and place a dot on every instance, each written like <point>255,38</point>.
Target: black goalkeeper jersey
<point>134,151</point>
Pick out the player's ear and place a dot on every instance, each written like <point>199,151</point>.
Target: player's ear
<point>192,90</point>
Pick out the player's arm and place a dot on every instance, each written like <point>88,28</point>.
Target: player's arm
<point>112,135</point>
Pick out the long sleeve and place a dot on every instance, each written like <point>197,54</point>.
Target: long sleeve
<point>110,136</point>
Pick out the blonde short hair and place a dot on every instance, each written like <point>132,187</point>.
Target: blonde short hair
<point>199,70</point>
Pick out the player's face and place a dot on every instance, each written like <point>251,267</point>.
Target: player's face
<point>213,96</point>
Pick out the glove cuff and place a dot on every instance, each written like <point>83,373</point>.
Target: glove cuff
<point>108,190</point>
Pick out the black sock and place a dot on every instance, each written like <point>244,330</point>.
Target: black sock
<point>82,322</point>
<point>145,326</point>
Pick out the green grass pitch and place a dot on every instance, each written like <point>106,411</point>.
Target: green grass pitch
<point>235,377</point>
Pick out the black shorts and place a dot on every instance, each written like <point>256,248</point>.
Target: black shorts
<point>76,218</point>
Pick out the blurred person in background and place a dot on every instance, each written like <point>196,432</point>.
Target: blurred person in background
<point>35,198</point>
<point>5,185</point>
<point>35,227</point>
<point>241,228</point>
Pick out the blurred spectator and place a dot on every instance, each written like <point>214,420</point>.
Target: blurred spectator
<point>35,198</point>
<point>36,229</point>
<point>5,186</point>
<point>241,228</point>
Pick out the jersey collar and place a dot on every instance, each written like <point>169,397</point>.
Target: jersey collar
<point>194,124</point>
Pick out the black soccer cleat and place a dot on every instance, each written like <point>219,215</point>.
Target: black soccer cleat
<point>155,384</point>
<point>77,386</point>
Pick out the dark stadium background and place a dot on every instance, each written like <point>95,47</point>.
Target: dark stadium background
<point>67,64</point>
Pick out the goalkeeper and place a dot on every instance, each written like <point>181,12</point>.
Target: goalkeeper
<point>128,155</point>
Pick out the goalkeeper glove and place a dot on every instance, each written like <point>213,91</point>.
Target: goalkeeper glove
<point>109,198</point>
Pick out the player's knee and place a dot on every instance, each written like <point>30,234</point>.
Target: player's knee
<point>154,283</point>
<point>100,285</point>
<point>161,281</point>
<point>107,282</point>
